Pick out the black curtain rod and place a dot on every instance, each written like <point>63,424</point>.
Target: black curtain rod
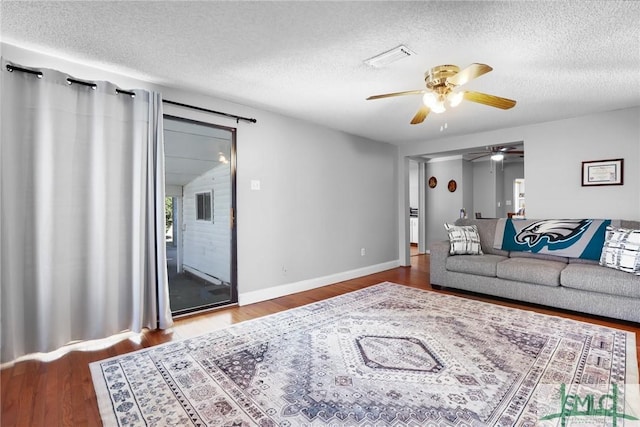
<point>12,68</point>
<point>220,113</point>
<point>92,85</point>
<point>70,80</point>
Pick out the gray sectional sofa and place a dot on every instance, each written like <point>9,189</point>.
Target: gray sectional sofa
<point>566,283</point>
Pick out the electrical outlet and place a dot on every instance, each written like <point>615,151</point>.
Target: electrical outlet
<point>255,184</point>
<point>363,252</point>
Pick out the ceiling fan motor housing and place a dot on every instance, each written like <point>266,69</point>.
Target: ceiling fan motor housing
<point>436,78</point>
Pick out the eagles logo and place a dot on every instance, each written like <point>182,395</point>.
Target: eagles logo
<point>554,230</point>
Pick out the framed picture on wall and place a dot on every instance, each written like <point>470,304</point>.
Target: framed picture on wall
<point>602,172</point>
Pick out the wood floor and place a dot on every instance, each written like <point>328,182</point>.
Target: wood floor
<point>60,392</point>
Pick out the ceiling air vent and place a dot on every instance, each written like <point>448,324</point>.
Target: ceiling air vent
<point>390,56</point>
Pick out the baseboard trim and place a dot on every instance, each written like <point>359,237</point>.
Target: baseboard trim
<point>246,298</point>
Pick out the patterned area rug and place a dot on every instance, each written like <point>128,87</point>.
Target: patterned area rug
<point>388,355</point>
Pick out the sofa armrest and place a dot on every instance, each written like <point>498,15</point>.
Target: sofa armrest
<point>439,252</point>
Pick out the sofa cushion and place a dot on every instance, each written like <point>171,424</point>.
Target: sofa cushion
<point>621,250</point>
<point>482,265</point>
<point>583,261</point>
<point>531,270</point>
<point>463,239</point>
<point>487,231</point>
<point>547,257</point>
<point>595,278</point>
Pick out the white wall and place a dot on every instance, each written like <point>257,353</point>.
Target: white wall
<point>554,154</point>
<point>443,206</point>
<point>413,184</point>
<point>324,194</point>
<point>484,190</point>
<point>492,185</point>
<point>465,187</point>
<point>207,244</point>
<point>511,172</point>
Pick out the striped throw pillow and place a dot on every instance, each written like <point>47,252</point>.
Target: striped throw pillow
<point>463,239</point>
<point>621,250</point>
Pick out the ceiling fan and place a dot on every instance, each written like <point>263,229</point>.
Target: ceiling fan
<point>441,84</point>
<point>497,153</point>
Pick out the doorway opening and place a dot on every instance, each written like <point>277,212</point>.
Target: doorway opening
<point>199,214</point>
<point>414,210</point>
<point>518,197</point>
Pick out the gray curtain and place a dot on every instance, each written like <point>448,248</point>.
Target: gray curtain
<point>82,200</point>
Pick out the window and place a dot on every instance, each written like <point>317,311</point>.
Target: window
<point>203,206</point>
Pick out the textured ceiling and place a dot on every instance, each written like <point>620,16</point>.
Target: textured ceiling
<point>305,59</point>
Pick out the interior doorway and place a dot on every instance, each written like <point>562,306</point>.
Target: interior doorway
<point>414,196</point>
<point>518,197</point>
<point>417,206</point>
<point>199,214</point>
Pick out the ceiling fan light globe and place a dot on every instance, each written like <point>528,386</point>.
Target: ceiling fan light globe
<point>438,107</point>
<point>455,98</point>
<point>497,157</point>
<point>430,99</point>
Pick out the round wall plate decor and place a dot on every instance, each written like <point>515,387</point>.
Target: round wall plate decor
<point>433,182</point>
<point>452,185</point>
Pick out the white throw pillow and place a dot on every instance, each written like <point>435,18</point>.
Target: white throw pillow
<point>463,239</point>
<point>621,250</point>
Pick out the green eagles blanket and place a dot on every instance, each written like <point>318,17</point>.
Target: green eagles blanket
<point>573,238</point>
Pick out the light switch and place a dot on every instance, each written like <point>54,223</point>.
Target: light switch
<point>255,184</point>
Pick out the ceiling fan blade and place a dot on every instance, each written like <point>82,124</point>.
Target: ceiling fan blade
<point>420,115</point>
<point>479,157</point>
<point>471,72</point>
<point>491,100</point>
<point>389,95</point>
